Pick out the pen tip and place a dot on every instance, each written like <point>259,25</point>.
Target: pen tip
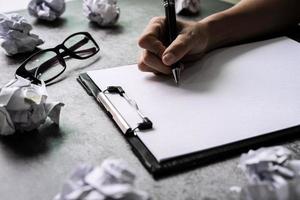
<point>176,75</point>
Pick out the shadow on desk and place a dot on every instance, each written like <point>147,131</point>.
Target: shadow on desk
<point>18,59</point>
<point>33,143</point>
<point>58,23</point>
<point>111,30</point>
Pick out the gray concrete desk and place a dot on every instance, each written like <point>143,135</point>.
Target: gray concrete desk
<point>34,166</point>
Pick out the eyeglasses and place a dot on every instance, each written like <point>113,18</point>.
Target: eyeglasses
<point>48,64</point>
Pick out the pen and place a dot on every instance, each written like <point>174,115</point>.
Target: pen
<point>172,34</point>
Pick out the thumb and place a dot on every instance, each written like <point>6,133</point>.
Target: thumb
<point>177,49</point>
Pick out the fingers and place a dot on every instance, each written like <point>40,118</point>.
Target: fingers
<point>153,45</point>
<point>144,68</point>
<point>150,39</point>
<point>177,49</point>
<point>149,62</point>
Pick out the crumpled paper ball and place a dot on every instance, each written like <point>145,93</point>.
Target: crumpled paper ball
<point>46,9</point>
<point>113,180</point>
<point>273,174</point>
<point>24,106</point>
<point>267,165</point>
<point>15,36</point>
<point>102,12</point>
<point>187,7</point>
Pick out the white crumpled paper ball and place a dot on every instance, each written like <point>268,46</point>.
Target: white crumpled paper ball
<point>272,173</point>
<point>187,7</point>
<point>47,9</point>
<point>15,36</point>
<point>113,180</point>
<point>102,12</point>
<point>24,106</point>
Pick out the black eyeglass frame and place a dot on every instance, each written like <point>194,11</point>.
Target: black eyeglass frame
<point>60,57</point>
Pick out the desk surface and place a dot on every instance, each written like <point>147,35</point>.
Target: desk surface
<point>34,166</point>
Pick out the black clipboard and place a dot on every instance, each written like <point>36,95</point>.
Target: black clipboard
<point>192,160</point>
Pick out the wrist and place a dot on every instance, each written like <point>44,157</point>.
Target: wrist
<point>219,32</point>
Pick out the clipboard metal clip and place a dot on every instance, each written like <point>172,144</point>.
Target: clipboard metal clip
<point>116,115</point>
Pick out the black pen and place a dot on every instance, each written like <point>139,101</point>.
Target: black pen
<point>171,29</point>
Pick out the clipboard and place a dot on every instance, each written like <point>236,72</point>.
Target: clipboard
<point>161,168</point>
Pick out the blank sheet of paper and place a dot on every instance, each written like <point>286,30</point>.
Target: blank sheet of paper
<point>230,95</point>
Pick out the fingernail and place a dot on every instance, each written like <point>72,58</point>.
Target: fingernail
<point>169,59</point>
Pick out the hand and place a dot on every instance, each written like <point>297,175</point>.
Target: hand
<point>191,43</point>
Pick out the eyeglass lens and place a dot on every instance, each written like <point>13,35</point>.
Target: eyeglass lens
<point>45,65</point>
<point>81,45</point>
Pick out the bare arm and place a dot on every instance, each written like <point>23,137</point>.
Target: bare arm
<point>251,18</point>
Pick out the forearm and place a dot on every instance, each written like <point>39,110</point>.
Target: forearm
<point>251,18</point>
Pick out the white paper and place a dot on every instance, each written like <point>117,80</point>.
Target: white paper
<point>15,36</point>
<point>103,12</point>
<point>187,6</point>
<point>113,180</point>
<point>24,107</point>
<point>46,9</point>
<point>231,94</point>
